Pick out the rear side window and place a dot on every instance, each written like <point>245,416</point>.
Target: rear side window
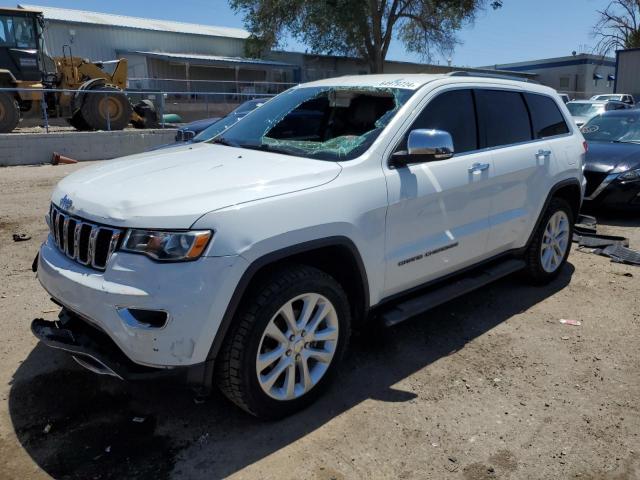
<point>503,118</point>
<point>545,116</point>
<point>453,112</point>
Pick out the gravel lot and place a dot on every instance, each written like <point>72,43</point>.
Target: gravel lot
<point>491,386</point>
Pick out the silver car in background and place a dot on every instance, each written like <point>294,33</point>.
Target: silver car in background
<point>619,97</point>
<point>583,110</point>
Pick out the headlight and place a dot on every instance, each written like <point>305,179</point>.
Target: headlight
<point>167,246</point>
<point>630,176</point>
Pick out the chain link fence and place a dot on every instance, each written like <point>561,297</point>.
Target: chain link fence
<point>146,103</point>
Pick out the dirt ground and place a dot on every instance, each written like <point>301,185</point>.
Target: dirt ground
<point>490,386</point>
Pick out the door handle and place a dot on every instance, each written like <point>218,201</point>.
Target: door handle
<point>478,167</point>
<point>543,153</point>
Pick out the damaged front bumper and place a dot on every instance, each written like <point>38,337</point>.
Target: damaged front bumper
<point>92,348</point>
<point>193,297</point>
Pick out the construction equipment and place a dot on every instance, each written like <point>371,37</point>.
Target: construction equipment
<point>91,93</point>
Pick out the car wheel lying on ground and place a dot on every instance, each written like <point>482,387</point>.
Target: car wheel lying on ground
<point>248,259</point>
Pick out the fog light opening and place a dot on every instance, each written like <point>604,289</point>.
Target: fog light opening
<point>143,318</point>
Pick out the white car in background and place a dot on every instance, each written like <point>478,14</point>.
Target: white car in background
<point>584,110</point>
<point>619,97</point>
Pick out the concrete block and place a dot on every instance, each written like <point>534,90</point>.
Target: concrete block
<point>37,148</point>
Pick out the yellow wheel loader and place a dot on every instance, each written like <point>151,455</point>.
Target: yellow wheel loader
<point>89,92</point>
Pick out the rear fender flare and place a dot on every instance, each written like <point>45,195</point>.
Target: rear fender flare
<point>569,182</point>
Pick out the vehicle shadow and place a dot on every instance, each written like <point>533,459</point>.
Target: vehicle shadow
<point>75,424</point>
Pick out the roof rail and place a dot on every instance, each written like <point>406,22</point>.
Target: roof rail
<point>463,73</point>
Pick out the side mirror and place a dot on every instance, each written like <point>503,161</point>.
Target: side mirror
<point>424,146</point>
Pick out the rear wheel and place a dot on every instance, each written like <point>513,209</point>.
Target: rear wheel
<point>550,246</point>
<point>106,111</point>
<point>9,113</point>
<point>285,345</point>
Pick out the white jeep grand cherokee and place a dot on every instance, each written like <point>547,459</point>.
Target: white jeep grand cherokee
<point>248,260</point>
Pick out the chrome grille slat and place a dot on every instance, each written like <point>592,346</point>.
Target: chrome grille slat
<point>56,229</point>
<point>93,236</point>
<point>113,243</point>
<point>65,234</point>
<point>101,239</point>
<point>76,241</point>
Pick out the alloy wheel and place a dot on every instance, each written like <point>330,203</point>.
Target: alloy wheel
<point>297,346</point>
<point>555,241</point>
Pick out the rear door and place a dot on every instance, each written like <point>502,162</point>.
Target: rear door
<point>437,220</point>
<point>521,129</point>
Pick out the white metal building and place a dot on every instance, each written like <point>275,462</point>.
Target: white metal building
<point>159,49</point>
<point>580,76</point>
<point>183,57</point>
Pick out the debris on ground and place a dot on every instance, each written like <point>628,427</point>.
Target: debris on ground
<point>566,321</point>
<point>621,254</point>
<point>47,428</point>
<point>108,449</point>
<point>137,419</point>
<point>58,159</point>
<point>21,237</point>
<point>612,246</point>
<point>624,274</point>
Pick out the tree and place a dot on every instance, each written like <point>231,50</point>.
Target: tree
<point>360,28</point>
<point>618,26</point>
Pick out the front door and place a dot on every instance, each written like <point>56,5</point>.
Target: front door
<point>438,214</point>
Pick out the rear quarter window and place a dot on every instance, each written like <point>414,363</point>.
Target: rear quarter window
<point>503,117</point>
<point>545,116</point>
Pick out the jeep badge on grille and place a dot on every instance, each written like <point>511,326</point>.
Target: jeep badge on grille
<point>66,203</point>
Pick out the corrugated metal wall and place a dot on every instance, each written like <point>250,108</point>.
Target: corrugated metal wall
<point>103,43</point>
<point>628,72</point>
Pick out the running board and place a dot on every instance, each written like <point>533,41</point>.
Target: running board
<point>448,291</point>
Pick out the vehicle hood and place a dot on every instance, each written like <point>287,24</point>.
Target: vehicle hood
<point>608,157</point>
<point>172,188</point>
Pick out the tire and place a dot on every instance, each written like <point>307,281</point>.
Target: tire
<point>238,373</point>
<point>544,260</point>
<point>9,113</point>
<point>101,111</point>
<point>147,110</point>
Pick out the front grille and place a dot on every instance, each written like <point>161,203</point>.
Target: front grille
<point>184,135</point>
<point>594,179</point>
<point>87,243</point>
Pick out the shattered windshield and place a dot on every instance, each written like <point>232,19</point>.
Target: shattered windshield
<point>326,123</point>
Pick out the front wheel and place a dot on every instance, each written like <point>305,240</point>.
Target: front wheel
<point>284,346</point>
<point>551,243</point>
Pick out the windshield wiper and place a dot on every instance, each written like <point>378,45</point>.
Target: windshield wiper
<point>268,148</point>
<point>224,141</point>
<point>626,141</point>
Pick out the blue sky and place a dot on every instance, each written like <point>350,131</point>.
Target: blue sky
<point>521,30</point>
